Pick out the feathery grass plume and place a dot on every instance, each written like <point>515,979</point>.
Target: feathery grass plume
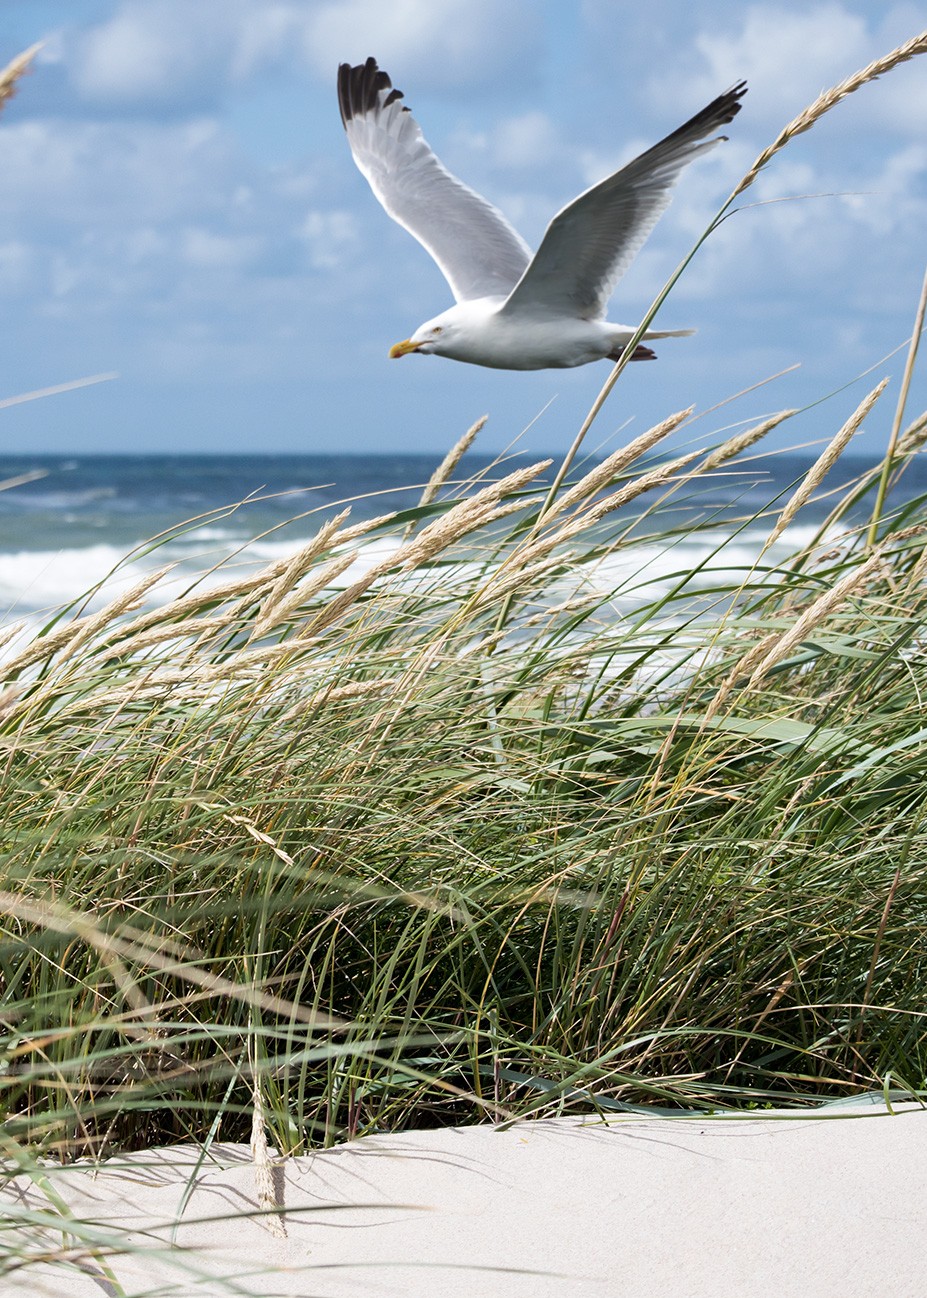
<point>450,461</point>
<point>829,99</point>
<point>193,629</point>
<point>339,694</point>
<point>657,477</point>
<point>824,463</point>
<point>240,587</point>
<point>10,632</point>
<point>599,477</point>
<point>914,436</point>
<point>67,639</point>
<point>87,627</point>
<point>264,1168</point>
<point>13,71</point>
<point>471,512</point>
<point>531,553</point>
<point>282,609</point>
<point>736,445</point>
<point>300,562</point>
<point>531,550</point>
<point>764,656</point>
<point>9,698</point>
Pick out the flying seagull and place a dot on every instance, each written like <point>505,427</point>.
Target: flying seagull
<point>516,311</point>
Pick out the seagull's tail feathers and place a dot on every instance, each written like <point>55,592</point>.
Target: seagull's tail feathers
<point>639,354</point>
<point>642,353</point>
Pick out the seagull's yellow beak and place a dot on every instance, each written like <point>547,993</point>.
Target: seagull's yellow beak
<point>403,349</point>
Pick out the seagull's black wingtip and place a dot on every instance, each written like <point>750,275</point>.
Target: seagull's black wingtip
<point>360,89</point>
<point>713,116</point>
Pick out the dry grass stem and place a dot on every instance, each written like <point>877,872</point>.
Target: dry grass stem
<point>823,464</point>
<point>603,474</point>
<point>735,446</point>
<point>264,1168</point>
<point>283,609</point>
<point>13,71</point>
<point>813,616</point>
<point>646,482</point>
<point>450,462</point>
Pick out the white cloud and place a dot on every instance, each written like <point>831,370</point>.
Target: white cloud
<point>17,266</point>
<point>330,237</point>
<point>156,53</point>
<point>529,140</point>
<point>895,200</point>
<point>171,54</point>
<point>464,41</point>
<point>210,250</point>
<point>788,55</point>
<point>157,232</point>
<point>77,172</point>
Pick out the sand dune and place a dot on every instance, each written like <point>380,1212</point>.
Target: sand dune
<point>823,1206</point>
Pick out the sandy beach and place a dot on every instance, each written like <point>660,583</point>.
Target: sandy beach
<point>820,1206</point>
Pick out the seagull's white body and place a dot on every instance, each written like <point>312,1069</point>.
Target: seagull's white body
<point>514,310</point>
<point>481,332</point>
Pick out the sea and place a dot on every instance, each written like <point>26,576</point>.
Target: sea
<point>74,530</point>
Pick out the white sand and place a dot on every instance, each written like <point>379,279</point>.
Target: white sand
<point>823,1207</point>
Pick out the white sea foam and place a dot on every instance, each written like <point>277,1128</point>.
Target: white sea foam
<point>47,579</point>
<point>35,583</point>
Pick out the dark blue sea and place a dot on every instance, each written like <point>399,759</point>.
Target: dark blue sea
<point>66,523</point>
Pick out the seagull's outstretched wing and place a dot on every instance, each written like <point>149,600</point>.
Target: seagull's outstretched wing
<point>591,243</point>
<point>477,250</point>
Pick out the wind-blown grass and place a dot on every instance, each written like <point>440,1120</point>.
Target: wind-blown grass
<point>470,827</point>
<point>403,865</point>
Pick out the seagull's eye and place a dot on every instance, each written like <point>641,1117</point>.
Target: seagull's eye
<point>437,329</point>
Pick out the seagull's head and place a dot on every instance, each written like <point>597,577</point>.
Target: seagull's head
<point>431,337</point>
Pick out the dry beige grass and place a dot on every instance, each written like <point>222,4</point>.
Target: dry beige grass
<point>11,74</point>
<point>829,99</point>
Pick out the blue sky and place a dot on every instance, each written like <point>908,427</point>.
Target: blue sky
<point>178,204</point>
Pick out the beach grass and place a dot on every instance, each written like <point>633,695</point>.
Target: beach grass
<point>457,815</point>
<point>340,834</point>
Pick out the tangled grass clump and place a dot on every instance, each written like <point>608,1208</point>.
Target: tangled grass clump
<point>479,822</point>
<point>451,838</point>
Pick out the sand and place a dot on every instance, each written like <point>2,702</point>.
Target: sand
<point>828,1206</point>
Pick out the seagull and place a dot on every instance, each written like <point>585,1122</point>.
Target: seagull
<point>515,311</point>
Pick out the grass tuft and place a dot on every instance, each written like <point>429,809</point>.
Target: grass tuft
<point>459,813</point>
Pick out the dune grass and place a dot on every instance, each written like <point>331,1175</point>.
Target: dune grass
<point>477,823</point>
<point>353,841</point>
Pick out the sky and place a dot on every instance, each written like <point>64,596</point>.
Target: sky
<point>178,205</point>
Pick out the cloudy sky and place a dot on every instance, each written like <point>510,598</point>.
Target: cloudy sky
<point>178,204</point>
